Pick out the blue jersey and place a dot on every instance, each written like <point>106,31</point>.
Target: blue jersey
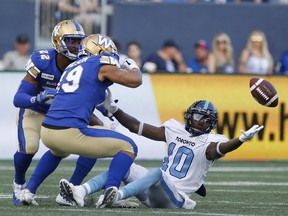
<point>42,66</point>
<point>79,92</point>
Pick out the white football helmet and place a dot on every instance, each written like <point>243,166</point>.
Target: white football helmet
<point>63,35</point>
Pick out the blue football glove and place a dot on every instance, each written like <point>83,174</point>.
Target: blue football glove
<point>46,95</point>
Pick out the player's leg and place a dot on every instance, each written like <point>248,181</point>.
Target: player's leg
<point>83,167</point>
<point>47,164</point>
<point>97,143</point>
<point>140,186</point>
<point>136,172</point>
<point>164,194</point>
<point>29,124</point>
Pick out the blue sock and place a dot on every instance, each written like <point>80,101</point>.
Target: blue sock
<point>135,188</point>
<point>118,168</point>
<point>98,182</point>
<point>47,164</point>
<point>83,167</point>
<point>21,163</point>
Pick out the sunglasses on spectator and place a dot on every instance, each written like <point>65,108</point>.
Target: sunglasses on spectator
<point>256,38</point>
<point>221,42</point>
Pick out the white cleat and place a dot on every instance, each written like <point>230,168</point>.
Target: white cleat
<point>108,198</point>
<point>125,204</point>
<point>73,194</point>
<point>28,198</point>
<point>17,188</point>
<point>63,201</point>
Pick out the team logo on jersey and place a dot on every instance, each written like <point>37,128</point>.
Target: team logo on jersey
<point>47,76</point>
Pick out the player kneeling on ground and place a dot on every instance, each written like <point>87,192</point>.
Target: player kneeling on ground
<point>192,150</point>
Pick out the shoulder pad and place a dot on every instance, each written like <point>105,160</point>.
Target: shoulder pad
<point>39,60</point>
<point>110,60</point>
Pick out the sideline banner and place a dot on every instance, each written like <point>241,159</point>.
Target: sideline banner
<point>236,108</point>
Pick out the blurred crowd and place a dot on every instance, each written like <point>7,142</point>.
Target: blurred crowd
<point>214,57</point>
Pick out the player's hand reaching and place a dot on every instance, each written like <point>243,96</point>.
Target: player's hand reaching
<point>129,64</point>
<point>46,95</point>
<point>108,107</point>
<point>249,134</point>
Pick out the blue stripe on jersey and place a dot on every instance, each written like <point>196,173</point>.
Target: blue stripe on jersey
<point>21,137</point>
<point>170,194</point>
<point>77,26</point>
<point>206,104</point>
<point>94,132</point>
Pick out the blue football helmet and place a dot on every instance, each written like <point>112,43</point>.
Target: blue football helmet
<point>201,117</point>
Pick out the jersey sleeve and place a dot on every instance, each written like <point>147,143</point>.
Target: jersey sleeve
<point>37,62</point>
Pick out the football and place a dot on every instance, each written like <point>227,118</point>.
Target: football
<point>264,92</point>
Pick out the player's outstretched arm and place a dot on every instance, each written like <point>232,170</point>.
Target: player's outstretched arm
<point>131,76</point>
<point>135,126</point>
<point>217,150</point>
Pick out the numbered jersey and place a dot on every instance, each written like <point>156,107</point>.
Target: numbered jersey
<point>42,66</point>
<point>186,164</point>
<point>79,90</point>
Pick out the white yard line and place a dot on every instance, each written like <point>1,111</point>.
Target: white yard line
<point>213,169</point>
<point>246,183</point>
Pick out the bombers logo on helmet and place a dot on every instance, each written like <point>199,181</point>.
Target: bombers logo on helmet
<point>201,108</point>
<point>97,44</point>
<point>63,35</point>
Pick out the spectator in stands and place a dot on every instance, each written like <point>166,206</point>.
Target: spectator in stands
<point>221,59</point>
<point>86,12</point>
<point>282,64</point>
<point>16,59</point>
<point>200,62</point>
<point>256,58</point>
<point>167,59</point>
<point>134,52</point>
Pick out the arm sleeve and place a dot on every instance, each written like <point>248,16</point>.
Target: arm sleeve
<point>25,97</point>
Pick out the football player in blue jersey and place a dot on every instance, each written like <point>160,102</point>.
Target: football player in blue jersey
<point>65,128</point>
<point>192,150</point>
<point>34,96</point>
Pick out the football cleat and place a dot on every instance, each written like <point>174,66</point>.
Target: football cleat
<point>108,198</point>
<point>71,193</point>
<point>62,200</point>
<point>17,192</point>
<point>28,198</point>
<point>125,204</point>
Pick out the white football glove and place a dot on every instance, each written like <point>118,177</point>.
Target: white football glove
<point>249,134</point>
<point>128,64</point>
<point>109,103</point>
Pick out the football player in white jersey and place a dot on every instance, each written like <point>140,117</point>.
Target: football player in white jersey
<point>192,149</point>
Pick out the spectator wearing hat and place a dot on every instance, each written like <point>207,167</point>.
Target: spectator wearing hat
<point>16,59</point>
<point>167,59</point>
<point>200,62</point>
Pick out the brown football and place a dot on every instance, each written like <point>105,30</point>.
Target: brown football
<point>264,92</point>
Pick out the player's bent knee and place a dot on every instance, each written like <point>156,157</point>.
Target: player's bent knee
<point>59,154</point>
<point>32,148</point>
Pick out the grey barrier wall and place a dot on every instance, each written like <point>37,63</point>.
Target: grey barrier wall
<point>151,24</point>
<point>16,16</point>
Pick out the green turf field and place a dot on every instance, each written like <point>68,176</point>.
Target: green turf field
<point>233,188</point>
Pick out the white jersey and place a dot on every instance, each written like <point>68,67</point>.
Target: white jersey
<point>186,164</point>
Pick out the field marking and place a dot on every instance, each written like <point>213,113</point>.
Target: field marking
<point>246,183</point>
<point>189,212</point>
<point>247,191</point>
<point>213,169</point>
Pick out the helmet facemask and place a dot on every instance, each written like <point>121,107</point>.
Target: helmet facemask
<point>201,118</point>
